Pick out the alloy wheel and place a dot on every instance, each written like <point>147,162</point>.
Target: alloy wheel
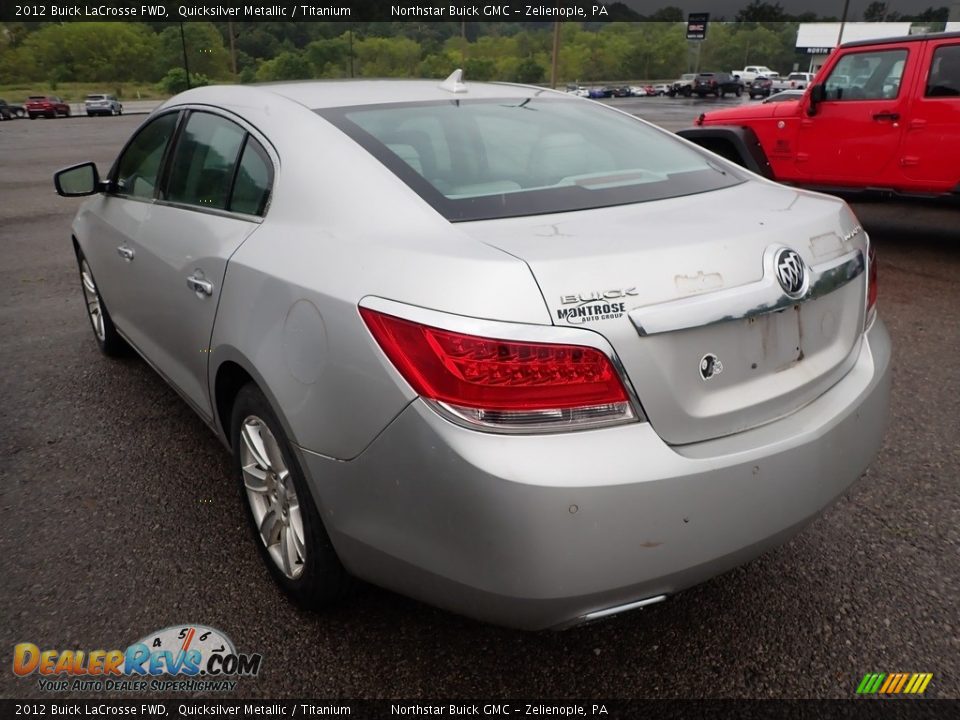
<point>92,297</point>
<point>272,496</point>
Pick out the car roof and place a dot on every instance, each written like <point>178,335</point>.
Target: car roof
<point>319,94</point>
<point>901,39</point>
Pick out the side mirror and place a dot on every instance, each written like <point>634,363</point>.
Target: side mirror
<point>817,95</point>
<point>78,180</point>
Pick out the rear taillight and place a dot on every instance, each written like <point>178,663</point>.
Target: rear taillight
<point>872,287</point>
<point>505,385</point>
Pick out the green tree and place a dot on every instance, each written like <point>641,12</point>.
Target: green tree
<point>529,71</point>
<point>387,57</point>
<point>175,81</point>
<point>285,66</point>
<point>206,54</point>
<point>330,57</point>
<point>101,52</point>
<point>761,11</point>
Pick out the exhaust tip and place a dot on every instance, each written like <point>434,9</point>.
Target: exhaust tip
<point>617,609</point>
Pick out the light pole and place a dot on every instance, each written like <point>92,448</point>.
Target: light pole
<point>183,44</point>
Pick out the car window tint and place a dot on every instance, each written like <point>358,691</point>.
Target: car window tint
<point>203,161</point>
<point>866,76</point>
<point>139,165</point>
<point>251,189</point>
<point>944,77</point>
<point>509,157</point>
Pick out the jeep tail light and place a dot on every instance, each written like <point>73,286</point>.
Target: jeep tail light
<point>504,385</point>
<point>872,288</point>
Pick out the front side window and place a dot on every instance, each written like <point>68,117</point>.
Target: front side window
<point>873,75</point>
<point>484,159</point>
<point>138,167</point>
<point>203,162</point>
<point>944,77</point>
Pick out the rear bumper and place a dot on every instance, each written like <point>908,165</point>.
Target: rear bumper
<point>539,531</point>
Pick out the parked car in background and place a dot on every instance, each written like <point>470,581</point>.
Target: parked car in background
<point>47,106</point>
<point>535,431</point>
<point>893,129</point>
<point>784,96</point>
<point>9,112</point>
<point>683,86</point>
<point>638,90</point>
<point>661,89</point>
<point>621,92</point>
<point>752,72</point>
<point>600,92</point>
<point>99,104</point>
<point>717,83</point>
<point>761,87</point>
<point>793,81</point>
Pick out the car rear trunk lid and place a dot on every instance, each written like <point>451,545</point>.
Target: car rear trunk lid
<point>687,292</point>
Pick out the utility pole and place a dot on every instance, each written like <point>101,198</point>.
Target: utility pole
<point>556,54</point>
<point>233,49</point>
<point>183,44</point>
<point>843,21</point>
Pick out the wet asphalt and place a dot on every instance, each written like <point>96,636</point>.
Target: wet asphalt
<point>120,516</point>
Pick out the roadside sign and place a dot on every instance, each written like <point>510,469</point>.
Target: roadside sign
<point>697,26</point>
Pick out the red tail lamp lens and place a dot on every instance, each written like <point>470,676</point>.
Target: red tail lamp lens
<point>495,375</point>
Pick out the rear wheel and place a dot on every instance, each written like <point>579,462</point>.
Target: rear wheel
<point>106,335</point>
<point>20,113</point>
<point>288,531</point>
<point>738,92</point>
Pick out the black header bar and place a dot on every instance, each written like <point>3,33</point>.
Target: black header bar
<point>310,11</point>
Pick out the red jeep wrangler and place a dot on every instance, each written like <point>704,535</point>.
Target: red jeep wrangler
<point>882,115</point>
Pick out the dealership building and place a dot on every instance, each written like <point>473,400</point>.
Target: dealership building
<point>817,40</point>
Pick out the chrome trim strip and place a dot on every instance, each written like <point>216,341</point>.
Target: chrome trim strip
<point>616,609</point>
<point>520,332</point>
<point>745,301</point>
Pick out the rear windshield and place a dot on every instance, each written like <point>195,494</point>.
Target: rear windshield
<point>486,159</point>
<point>95,97</point>
<point>37,97</point>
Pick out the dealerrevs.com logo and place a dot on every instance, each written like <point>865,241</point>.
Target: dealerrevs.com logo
<point>179,658</point>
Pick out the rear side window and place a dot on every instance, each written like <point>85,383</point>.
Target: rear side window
<point>251,190</point>
<point>944,77</point>
<point>873,75</point>
<point>203,162</point>
<point>138,167</point>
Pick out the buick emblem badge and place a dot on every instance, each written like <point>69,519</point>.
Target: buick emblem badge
<point>791,273</point>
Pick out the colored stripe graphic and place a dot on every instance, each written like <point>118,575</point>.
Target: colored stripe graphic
<point>894,683</point>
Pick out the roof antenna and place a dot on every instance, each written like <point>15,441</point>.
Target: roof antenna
<point>454,83</point>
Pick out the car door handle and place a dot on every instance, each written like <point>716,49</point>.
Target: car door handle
<point>199,285</point>
<point>125,252</point>
<point>886,116</point>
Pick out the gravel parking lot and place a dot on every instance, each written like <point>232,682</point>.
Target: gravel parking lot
<point>120,516</point>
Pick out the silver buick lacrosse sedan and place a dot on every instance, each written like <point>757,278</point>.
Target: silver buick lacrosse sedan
<point>511,352</point>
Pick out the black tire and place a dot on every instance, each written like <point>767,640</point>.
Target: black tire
<point>721,92</point>
<point>738,92</point>
<point>323,581</point>
<point>21,113</point>
<point>32,116</point>
<point>110,344</point>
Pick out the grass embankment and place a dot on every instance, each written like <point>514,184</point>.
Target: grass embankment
<point>77,91</point>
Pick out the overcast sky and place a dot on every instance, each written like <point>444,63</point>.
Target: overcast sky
<point>729,8</point>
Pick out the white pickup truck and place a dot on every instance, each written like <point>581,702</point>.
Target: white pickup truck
<point>793,81</point>
<point>750,73</point>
